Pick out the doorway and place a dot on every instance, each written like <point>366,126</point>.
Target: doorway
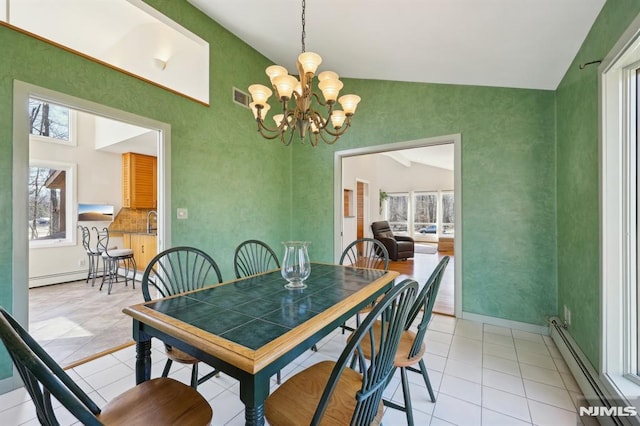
<point>381,180</point>
<point>23,92</point>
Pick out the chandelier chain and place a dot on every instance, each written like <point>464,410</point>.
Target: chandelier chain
<point>303,25</point>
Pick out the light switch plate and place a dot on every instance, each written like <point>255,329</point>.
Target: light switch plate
<point>183,213</point>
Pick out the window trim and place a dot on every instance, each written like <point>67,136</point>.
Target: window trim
<point>618,227</point>
<point>71,204</point>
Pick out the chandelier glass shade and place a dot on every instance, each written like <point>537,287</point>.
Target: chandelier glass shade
<point>304,112</point>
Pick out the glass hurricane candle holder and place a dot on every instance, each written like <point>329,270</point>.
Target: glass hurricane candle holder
<point>296,266</point>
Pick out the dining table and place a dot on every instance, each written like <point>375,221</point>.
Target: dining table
<point>250,328</point>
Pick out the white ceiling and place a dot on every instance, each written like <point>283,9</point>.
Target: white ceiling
<point>440,156</point>
<point>503,43</point>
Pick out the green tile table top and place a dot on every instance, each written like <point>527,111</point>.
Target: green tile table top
<point>257,310</point>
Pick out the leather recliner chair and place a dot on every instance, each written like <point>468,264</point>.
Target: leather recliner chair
<point>398,246</point>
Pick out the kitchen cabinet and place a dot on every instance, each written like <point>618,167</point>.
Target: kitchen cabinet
<point>144,246</point>
<point>139,181</point>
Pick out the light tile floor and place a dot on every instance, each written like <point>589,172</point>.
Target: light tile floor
<point>482,375</point>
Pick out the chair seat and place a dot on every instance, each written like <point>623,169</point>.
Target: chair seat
<point>402,354</point>
<point>306,388</point>
<point>177,355</point>
<point>159,401</point>
<point>118,253</point>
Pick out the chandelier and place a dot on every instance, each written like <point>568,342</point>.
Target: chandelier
<point>302,108</point>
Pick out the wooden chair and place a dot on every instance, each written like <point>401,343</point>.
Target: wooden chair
<point>331,393</point>
<point>412,346</point>
<point>174,271</point>
<point>364,253</point>
<point>160,401</point>
<point>112,258</point>
<point>254,257</point>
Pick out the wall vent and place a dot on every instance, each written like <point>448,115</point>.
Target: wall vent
<point>240,97</point>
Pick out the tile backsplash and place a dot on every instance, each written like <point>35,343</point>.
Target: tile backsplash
<point>133,220</point>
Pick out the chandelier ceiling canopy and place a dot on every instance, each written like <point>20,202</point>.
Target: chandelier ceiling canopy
<point>303,111</point>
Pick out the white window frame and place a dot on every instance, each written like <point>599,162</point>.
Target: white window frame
<point>619,237</point>
<point>71,205</point>
<point>72,141</point>
<point>410,213</point>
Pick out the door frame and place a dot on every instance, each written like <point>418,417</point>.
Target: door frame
<point>365,205</point>
<point>456,140</point>
<point>21,93</point>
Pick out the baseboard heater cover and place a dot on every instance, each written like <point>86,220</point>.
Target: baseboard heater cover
<point>594,390</point>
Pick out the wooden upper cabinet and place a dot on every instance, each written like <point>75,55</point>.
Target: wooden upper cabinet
<point>139,181</point>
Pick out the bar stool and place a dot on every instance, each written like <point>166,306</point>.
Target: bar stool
<point>112,258</point>
<point>93,255</point>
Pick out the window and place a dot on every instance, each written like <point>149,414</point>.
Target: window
<point>425,212</point>
<point>448,212</point>
<point>397,212</point>
<point>50,122</point>
<point>51,203</point>
<point>620,193</point>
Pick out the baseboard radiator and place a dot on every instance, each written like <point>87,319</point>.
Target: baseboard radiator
<point>594,390</point>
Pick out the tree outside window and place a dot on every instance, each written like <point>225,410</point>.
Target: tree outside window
<point>47,203</point>
<point>398,212</point>
<point>49,120</point>
<point>448,215</point>
<point>425,209</point>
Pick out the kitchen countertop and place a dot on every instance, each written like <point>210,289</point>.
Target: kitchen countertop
<point>125,231</point>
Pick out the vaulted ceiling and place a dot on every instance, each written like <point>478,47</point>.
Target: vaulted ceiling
<point>503,43</point>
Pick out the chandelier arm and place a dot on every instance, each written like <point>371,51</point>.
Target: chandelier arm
<point>341,131</point>
<point>330,104</point>
<point>287,142</point>
<point>274,135</point>
<point>313,139</point>
<point>329,141</point>
<point>279,128</point>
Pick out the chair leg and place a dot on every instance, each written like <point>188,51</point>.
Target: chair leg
<point>425,376</point>
<point>104,272</point>
<point>94,264</point>
<point>407,396</point>
<point>134,268</point>
<point>167,367</point>
<point>194,376</point>
<point>90,258</point>
<point>113,270</point>
<point>207,376</point>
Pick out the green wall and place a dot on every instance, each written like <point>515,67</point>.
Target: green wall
<point>508,180</point>
<point>578,188</point>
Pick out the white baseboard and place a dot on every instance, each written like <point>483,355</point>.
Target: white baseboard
<point>57,278</point>
<point>500,322</point>
<point>596,392</point>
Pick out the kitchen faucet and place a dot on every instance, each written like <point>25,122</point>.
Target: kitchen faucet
<point>149,227</point>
